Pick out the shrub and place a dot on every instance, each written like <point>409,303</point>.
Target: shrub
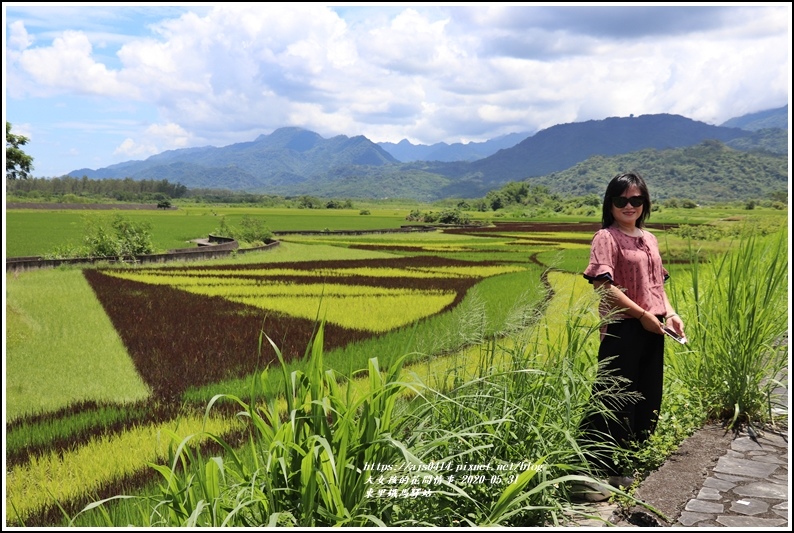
<point>114,237</point>
<point>253,230</point>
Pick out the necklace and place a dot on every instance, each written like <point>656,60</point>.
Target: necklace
<point>635,231</point>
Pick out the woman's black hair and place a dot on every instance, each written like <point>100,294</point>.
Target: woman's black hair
<point>617,187</point>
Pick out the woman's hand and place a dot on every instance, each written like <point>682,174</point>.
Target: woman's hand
<point>676,323</point>
<point>651,323</point>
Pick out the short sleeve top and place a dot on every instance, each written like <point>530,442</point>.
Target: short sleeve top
<point>633,264</point>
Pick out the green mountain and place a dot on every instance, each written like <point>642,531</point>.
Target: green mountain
<point>771,118</point>
<point>406,152</point>
<point>294,161</point>
<point>560,147</point>
<point>772,140</point>
<point>709,172</point>
<point>271,163</point>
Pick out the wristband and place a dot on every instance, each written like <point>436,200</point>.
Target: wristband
<point>642,315</point>
<point>671,315</point>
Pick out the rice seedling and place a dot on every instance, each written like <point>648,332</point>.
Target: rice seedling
<point>307,459</point>
<point>66,475</point>
<point>59,355</point>
<point>496,449</point>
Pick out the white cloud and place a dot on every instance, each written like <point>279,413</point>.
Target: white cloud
<point>426,73</point>
<point>68,66</point>
<point>134,150</point>
<point>26,130</point>
<point>18,38</point>
<point>169,135</point>
<point>156,138</point>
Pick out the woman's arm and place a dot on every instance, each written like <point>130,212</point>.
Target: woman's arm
<point>617,298</point>
<point>672,318</point>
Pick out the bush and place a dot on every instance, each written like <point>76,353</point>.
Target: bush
<point>115,237</point>
<point>253,230</point>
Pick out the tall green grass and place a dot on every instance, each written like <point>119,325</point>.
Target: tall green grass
<point>306,461</point>
<point>507,441</point>
<point>736,315</point>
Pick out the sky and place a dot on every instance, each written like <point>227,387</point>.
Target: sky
<point>97,84</point>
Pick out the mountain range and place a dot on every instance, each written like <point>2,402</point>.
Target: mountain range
<point>293,161</point>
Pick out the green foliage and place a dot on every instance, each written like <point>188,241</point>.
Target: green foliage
<point>309,202</point>
<point>736,315</point>
<point>132,237</point>
<point>127,189</point>
<point>519,193</point>
<point>113,237</point>
<point>18,163</point>
<point>447,216</point>
<point>706,173</point>
<point>306,461</point>
<point>120,237</point>
<point>681,415</point>
<point>253,230</point>
<point>338,204</point>
<point>771,140</point>
<point>223,229</point>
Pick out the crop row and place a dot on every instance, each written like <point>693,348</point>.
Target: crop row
<point>185,328</point>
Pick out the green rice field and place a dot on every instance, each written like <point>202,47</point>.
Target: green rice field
<point>106,367</point>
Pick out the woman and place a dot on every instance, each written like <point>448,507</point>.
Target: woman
<point>626,268</point>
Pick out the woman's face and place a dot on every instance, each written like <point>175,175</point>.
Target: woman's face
<point>628,215</point>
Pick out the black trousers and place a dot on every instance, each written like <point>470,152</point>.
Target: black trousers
<point>631,352</point>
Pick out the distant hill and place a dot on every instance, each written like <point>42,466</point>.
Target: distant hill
<point>562,146</point>
<point>286,157</point>
<point>294,161</point>
<point>708,172</point>
<point>407,152</point>
<point>772,140</point>
<point>771,118</point>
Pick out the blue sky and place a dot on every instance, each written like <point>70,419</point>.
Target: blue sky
<point>93,85</point>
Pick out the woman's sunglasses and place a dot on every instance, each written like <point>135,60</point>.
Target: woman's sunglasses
<point>621,201</point>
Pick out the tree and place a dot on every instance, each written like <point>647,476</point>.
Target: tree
<point>18,163</point>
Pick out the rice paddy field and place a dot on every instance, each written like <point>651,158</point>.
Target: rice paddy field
<point>108,367</point>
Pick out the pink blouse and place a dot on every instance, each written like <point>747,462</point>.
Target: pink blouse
<point>632,264</point>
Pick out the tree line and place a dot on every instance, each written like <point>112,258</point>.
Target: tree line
<point>72,189</point>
